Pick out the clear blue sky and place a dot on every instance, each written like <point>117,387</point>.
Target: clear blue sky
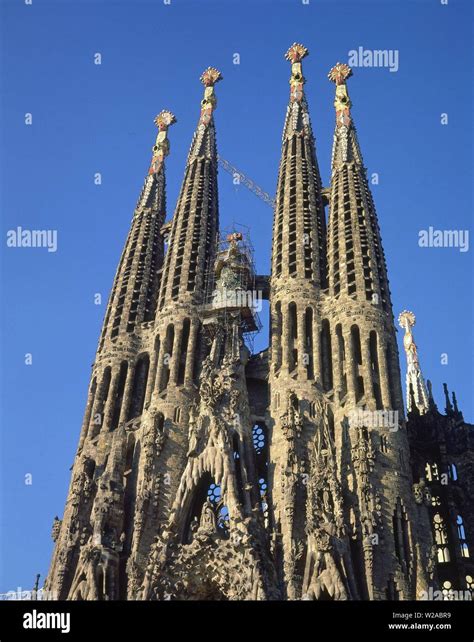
<point>89,118</point>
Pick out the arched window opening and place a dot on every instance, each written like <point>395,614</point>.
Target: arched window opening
<point>214,493</point>
<point>330,418</point>
<point>452,472</point>
<point>207,510</point>
<point>238,467</point>
<point>432,473</point>
<point>98,418</point>
<point>122,377</point>
<point>326,354</point>
<point>441,539</point>
<point>90,405</point>
<point>401,536</point>
<point>197,354</point>
<point>341,351</point>
<point>357,360</point>
<point>277,334</point>
<point>140,380</point>
<point>183,351</point>
<point>391,386</point>
<point>292,335</point>
<point>129,455</point>
<point>156,351</point>
<point>374,369</point>
<point>462,536</point>
<point>166,357</point>
<point>308,343</point>
<point>260,443</point>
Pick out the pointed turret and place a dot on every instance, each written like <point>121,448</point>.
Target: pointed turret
<point>414,378</point>
<point>196,219</point>
<point>134,294</point>
<point>299,224</point>
<point>366,355</point>
<point>431,400</point>
<point>449,408</point>
<point>298,255</point>
<point>355,254</point>
<point>297,281</point>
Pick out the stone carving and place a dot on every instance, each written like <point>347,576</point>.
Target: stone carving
<point>193,431</point>
<point>56,528</point>
<point>292,425</point>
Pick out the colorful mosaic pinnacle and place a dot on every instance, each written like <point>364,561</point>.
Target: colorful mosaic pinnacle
<point>164,120</point>
<point>210,76</point>
<point>406,319</point>
<point>340,73</point>
<point>296,52</point>
<point>161,147</point>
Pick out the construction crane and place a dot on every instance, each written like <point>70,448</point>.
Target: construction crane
<point>258,191</point>
<point>325,191</point>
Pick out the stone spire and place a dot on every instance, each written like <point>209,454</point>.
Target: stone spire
<point>153,189</point>
<point>355,254</point>
<point>195,222</point>
<point>299,223</point>
<point>297,280</point>
<point>414,377</point>
<point>134,292</point>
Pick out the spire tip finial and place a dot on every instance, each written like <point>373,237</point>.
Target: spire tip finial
<point>406,318</point>
<point>164,119</point>
<point>340,73</point>
<point>296,52</point>
<point>161,148</point>
<point>210,76</point>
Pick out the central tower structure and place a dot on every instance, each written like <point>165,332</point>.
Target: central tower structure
<point>206,472</point>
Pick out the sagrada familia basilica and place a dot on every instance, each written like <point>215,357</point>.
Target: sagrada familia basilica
<point>207,472</point>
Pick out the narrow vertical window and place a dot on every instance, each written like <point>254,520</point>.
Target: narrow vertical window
<point>139,387</point>
<point>374,369</point>
<point>462,536</point>
<point>183,351</point>
<point>308,343</point>
<point>292,335</point>
<point>326,354</point>
<point>122,377</point>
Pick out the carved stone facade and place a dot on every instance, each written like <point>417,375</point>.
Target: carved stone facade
<point>206,472</point>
